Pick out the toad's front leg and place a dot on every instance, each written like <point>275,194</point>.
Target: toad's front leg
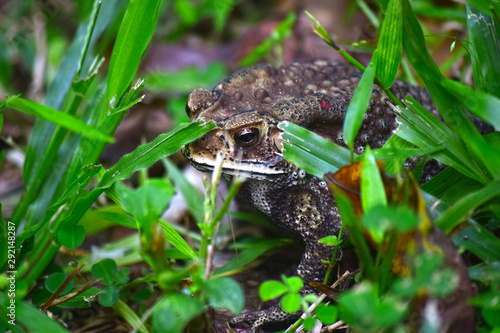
<point>307,221</point>
<point>311,268</point>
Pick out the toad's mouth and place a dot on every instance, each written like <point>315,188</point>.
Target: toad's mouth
<point>251,168</point>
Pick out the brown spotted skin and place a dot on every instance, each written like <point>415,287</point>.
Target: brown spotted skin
<point>247,108</point>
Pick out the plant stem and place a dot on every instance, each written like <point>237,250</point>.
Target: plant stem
<point>331,265</point>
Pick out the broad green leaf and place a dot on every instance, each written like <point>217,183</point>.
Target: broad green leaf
<point>133,37</point>
<point>55,280</point>
<point>106,270</point>
<point>425,130</point>
<point>225,293</point>
<point>97,220</point>
<point>57,117</point>
<point>303,150</point>
<point>485,272</point>
<point>362,308</point>
<point>248,255</point>
<point>82,300</point>
<point>479,241</point>
<point>492,317</point>
<point>459,212</point>
<point>109,296</point>
<point>34,320</point>
<point>176,240</point>
<point>309,323</point>
<point>147,202</point>
<point>430,277</point>
<point>126,251</point>
<point>327,314</point>
<point>271,289</point>
<point>403,153</point>
<point>429,9</point>
<point>372,187</point>
<point>483,32</point>
<point>71,237</point>
<point>330,240</point>
<point>450,185</point>
<point>415,47</point>
<point>389,44</point>
<point>146,155</point>
<point>174,311</point>
<point>291,302</point>
<point>488,7</point>
<point>379,219</point>
<point>189,192</point>
<point>478,103</point>
<point>359,103</point>
<point>488,156</point>
<point>122,275</point>
<point>486,300</point>
<point>293,283</point>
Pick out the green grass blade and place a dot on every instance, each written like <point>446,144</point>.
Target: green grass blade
<point>483,34</point>
<point>282,30</point>
<point>430,131</point>
<point>130,316</point>
<point>248,255</point>
<point>302,149</point>
<point>176,240</point>
<point>415,48</point>
<point>459,212</point>
<point>359,103</point>
<point>144,156</point>
<point>189,192</point>
<point>133,37</point>
<point>57,117</point>
<point>74,191</point>
<point>422,62</point>
<point>34,320</point>
<point>486,6</point>
<point>372,187</point>
<point>222,9</point>
<point>479,241</point>
<point>450,185</point>
<point>56,95</point>
<point>70,64</point>
<point>389,44</point>
<point>478,103</point>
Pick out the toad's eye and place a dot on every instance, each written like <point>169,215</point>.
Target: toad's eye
<point>246,137</point>
<point>188,110</point>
